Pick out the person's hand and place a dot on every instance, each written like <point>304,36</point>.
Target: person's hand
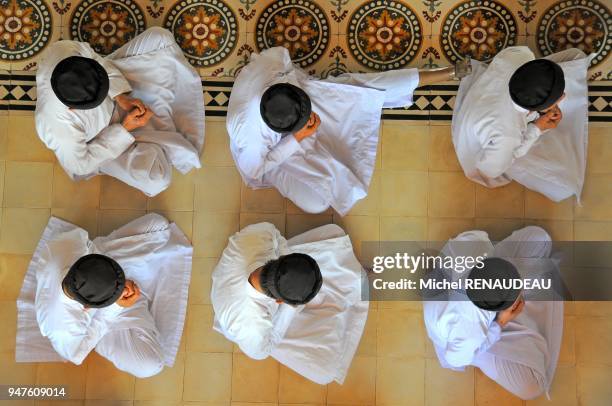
<point>130,295</point>
<point>505,316</point>
<point>309,129</point>
<point>135,119</point>
<point>128,103</point>
<point>550,119</point>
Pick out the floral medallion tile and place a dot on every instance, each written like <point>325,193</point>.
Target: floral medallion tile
<point>26,28</point>
<point>582,24</point>
<point>301,26</point>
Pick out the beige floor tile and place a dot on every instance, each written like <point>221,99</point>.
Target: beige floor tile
<point>261,200</point>
<point>104,381</point>
<point>23,143</point>
<point>400,381</point>
<point>68,193</point>
<point>2,180</point>
<point>451,194</point>
<point>489,393</point>
<point>217,190</point>
<point>253,380</point>
<point>183,219</point>
<point>592,231</point>
<point>12,271</point>
<point>216,145</point>
<point>211,232</point>
<point>596,198</point>
<point>404,147</point>
<point>201,274</point>
<point>498,229</point>
<point>84,217</point>
<point>567,354</point>
<point>64,374</point>
<point>74,403</point>
<point>115,194</point>
<point>362,231</point>
<point>369,205</point>
<point>403,228</point>
<point>447,387</point>
<point>167,385</point>
<point>16,373</point>
<point>368,342</point>
<point>593,340</point>
<point>597,309</point>
<point>291,208</point>
<point>442,156</point>
<point>443,229</point>
<point>200,336</point>
<point>28,184</point>
<point>594,387</point>
<point>538,206</point>
<point>502,202</point>
<point>294,388</point>
<point>300,223</point>
<point>178,197</point>
<point>278,219</point>
<point>21,229</point>
<point>359,387</point>
<point>400,333</point>
<point>599,158</point>
<point>110,220</point>
<point>8,321</point>
<point>208,377</point>
<point>562,391</point>
<point>403,193</point>
<point>94,402</point>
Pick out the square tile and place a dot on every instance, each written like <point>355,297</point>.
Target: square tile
<point>370,204</point>
<point>368,343</point>
<point>17,373</point>
<point>167,385</point>
<point>593,340</point>
<point>199,333</point>
<point>442,155</point>
<point>400,333</point>
<point>118,385</point>
<point>64,374</point>
<point>110,220</point>
<point>261,200</point>
<point>403,228</point>
<point>201,280</point>
<point>567,355</point>
<point>28,184</point>
<point>8,319</point>
<point>596,198</point>
<point>300,223</point>
<point>359,387</point>
<point>403,193</point>
<point>115,194</point>
<point>594,387</point>
<point>216,145</point>
<point>562,391</point>
<point>21,229</point>
<point>12,271</point>
<point>538,206</point>
<point>599,159</point>
<point>178,197</point>
<point>444,386</point>
<point>489,393</point>
<point>404,147</point>
<point>294,388</point>
<point>506,202</point>
<point>400,381</point>
<point>255,380</point>
<point>278,219</point>
<point>451,194</point>
<point>23,143</point>
<point>183,219</point>
<point>68,193</point>
<point>215,370</point>
<point>217,190</point>
<point>442,230</point>
<point>211,232</point>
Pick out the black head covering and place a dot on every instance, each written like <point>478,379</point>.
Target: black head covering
<point>285,108</point>
<point>80,83</point>
<point>295,278</point>
<point>494,299</point>
<point>537,84</point>
<point>95,280</point>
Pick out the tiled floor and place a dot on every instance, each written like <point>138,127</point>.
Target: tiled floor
<point>418,192</point>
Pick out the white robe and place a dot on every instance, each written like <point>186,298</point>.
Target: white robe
<point>152,68</point>
<point>139,339</point>
<point>317,340</point>
<point>523,356</point>
<point>332,168</point>
<point>496,141</point>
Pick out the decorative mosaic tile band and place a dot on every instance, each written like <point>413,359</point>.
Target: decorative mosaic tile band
<point>18,92</point>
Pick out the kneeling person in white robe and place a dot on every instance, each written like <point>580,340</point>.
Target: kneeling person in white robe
<point>132,115</point>
<point>314,140</point>
<point>513,340</point>
<point>67,308</point>
<point>298,301</point>
<point>525,119</point>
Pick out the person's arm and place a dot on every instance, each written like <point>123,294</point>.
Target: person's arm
<point>497,156</point>
<point>464,344</point>
<point>530,136</point>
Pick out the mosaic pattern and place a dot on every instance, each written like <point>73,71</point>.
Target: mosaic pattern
<point>298,25</point>
<point>384,35</point>
<point>205,30</point>
<point>477,29</point>
<point>25,28</point>
<point>106,24</point>
<point>582,24</point>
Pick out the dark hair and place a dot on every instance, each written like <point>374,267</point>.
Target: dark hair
<point>294,279</point>
<point>495,299</point>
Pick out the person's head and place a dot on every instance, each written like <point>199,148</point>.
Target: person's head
<point>294,279</point>
<point>80,83</point>
<point>537,85</point>
<point>494,299</point>
<point>94,281</point>
<point>285,108</point>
